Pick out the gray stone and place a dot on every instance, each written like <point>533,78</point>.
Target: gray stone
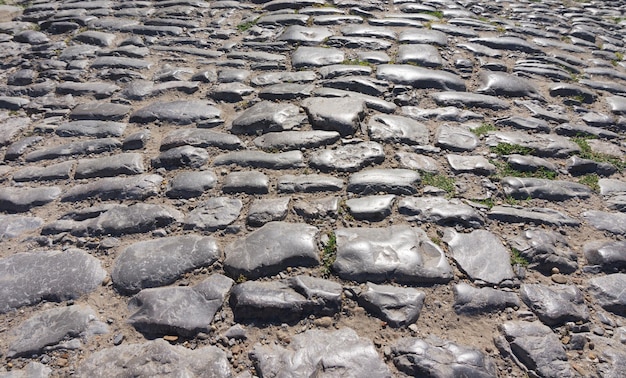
<point>525,123</point>
<point>420,54</point>
<point>447,113</point>
<point>32,277</point>
<point>348,158</point>
<point>617,104</point>
<point>266,117</point>
<point>394,181</point>
<point>503,84</point>
<point>316,56</point>
<point>160,262</point>
<point>156,358</point>
<point>99,111</point>
<point>270,78</point>
<point>399,253</point>
<point>317,208</point>
<point>423,36</point>
<point>397,306</point>
<point>469,100</point>
<point>286,91</point>
<point>310,352</point>
<point>572,90</point>
<point>471,300</point>
<point>396,129</point>
<point>94,146</point>
<point>611,187</point>
<point>536,215</point>
<point>456,138</point>
<point>551,190</point>
<point>58,171</point>
<point>97,38</point>
<point>475,164</point>
<point>535,348</point>
<point>573,130</point>
<point>439,210</point>
<point>183,156</point>
<point>338,70</point>
<point>481,255</point>
<point>372,102</point>
<point>183,311</point>
<point>605,221</point>
<point>119,164</point>
<point>507,43</point>
<point>230,92</point>
<point>335,114</point>
<point>420,78</point>
<point>610,255</point>
<point>309,183</point>
<point>190,184</point>
<point>372,208</point>
<point>98,129</point>
<point>577,166</point>
<point>116,188</point>
<point>295,140</point>
<point>95,89</point>
<point>608,292</point>
<point>13,103</point>
<point>527,163</point>
<point>31,370</point>
<point>50,327</point>
<point>271,249</point>
<point>179,113</point>
<point>200,138</point>
<point>142,89</point>
<point>19,200</point>
<point>359,84</point>
<point>267,210</point>
<point>555,305</point>
<point>116,220</point>
<point>541,144</point>
<point>214,214</point>
<point>545,250</point>
<point>249,182</point>
<point>417,162</point>
<point>17,149</point>
<point>120,62</point>
<point>260,159</point>
<point>12,226</point>
<point>434,357</point>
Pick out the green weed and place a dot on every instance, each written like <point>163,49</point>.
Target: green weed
<point>587,153</point>
<point>489,202</point>
<point>517,258</point>
<point>483,129</point>
<point>505,169</point>
<point>591,180</point>
<point>329,254</point>
<point>509,149</point>
<point>438,14</point>
<point>357,62</point>
<point>246,25</point>
<point>439,181</point>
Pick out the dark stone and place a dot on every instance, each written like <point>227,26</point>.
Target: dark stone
<point>200,138</point>
<point>555,305</point>
<point>295,140</point>
<point>179,113</point>
<point>335,114</point>
<point>372,208</point>
<point>183,156</point>
<point>190,184</point>
<point>419,77</point>
<point>116,188</point>
<point>100,111</point>
<point>309,183</point>
<point>260,159</point>
<point>249,182</point>
<point>536,215</point>
<point>266,210</point>
<point>469,100</point>
<point>348,158</point>
<point>397,306</point>
<point>214,214</point>
<point>394,181</point>
<point>471,300</point>
<point>98,129</point>
<point>610,255</point>
<point>267,117</point>
<point>19,200</point>
<point>119,164</point>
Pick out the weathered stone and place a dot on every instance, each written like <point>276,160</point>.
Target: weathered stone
<point>99,111</point>
<point>94,146</point>
<point>309,353</point>
<point>200,138</point>
<point>348,158</point>
<point>250,182</point>
<point>394,181</point>
<point>97,38</point>
<point>190,184</point>
<point>179,113</point>
<point>419,54</point>
<point>305,36</point>
<point>526,163</point>
<point>95,89</point>
<point>372,208</point>
<point>31,370</point>
<point>545,250</point>
<point>270,78</point>
<point>469,100</point>
<point>420,77</point>
<point>272,248</point>
<point>119,164</point>
<point>396,129</point>
<point>267,210</point>
<point>481,255</point>
<point>417,162</point>
<point>116,188</point>
<point>156,358</point>
<point>608,291</point>
<point>335,114</point>
<point>535,348</point>
<point>50,327</point>
<point>372,102</point>
<point>231,92</point>
<point>503,84</point>
<point>551,190</point>
<point>397,306</point>
<point>12,226</point>
<point>214,214</point>
<point>18,200</point>
<point>142,89</point>
<point>537,215</point>
<point>456,138</point>
<point>610,255</point>
<point>439,210</point>
<point>183,311</point>
<point>434,357</point>
<point>183,156</point>
<point>507,43</point>
<point>423,36</point>
<point>471,300</point>
<point>316,56</point>
<point>555,305</point>
<point>17,149</point>
<point>32,277</point>
<point>540,144</point>
<point>309,183</point>
<point>317,208</point>
<point>295,140</point>
<point>160,262</point>
<point>476,164</point>
<point>266,117</point>
<point>399,253</point>
<point>98,129</point>
<point>525,123</point>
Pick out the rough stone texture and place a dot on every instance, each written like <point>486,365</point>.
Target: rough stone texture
<point>266,117</point>
<point>610,255</point>
<point>214,214</point>
<point>134,187</point>
<point>348,158</point>
<point>160,262</point>
<point>555,305</point>
<point>19,200</point>
<point>30,277</point>
<point>602,220</point>
<point>399,253</point>
<point>178,112</point>
<point>471,300</point>
<point>335,114</point>
<point>439,210</point>
<point>341,353</point>
<point>397,306</point>
<point>12,226</point>
<point>551,190</point>
<point>394,181</point>
<point>608,291</point>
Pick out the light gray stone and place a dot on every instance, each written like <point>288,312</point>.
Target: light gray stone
<point>439,210</point>
<point>295,140</point>
<point>335,114</point>
<point>260,159</point>
<point>610,255</point>
<point>419,77</point>
<point>536,215</point>
<point>349,157</point>
<point>394,181</point>
<point>266,117</point>
<point>551,190</point>
<point>12,226</point>
<point>214,214</point>
<point>373,208</point>
<point>179,113</point>
<point>608,292</point>
<point>190,184</point>
<point>471,300</point>
<point>22,199</point>
<point>200,138</point>
<point>116,188</point>
<point>119,164</point>
<point>266,210</point>
<point>397,306</point>
<point>249,182</point>
<point>396,129</point>
<point>555,305</point>
<point>456,138</point>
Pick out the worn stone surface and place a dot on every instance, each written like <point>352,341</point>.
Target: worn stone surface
<point>348,158</point>
<point>555,305</point>
<point>471,300</point>
<point>214,214</point>
<point>397,306</point>
<point>608,291</point>
<point>439,210</point>
<point>609,255</point>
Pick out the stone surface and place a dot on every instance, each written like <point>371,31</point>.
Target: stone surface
<point>19,200</point>
<point>471,300</point>
<point>214,214</point>
<point>12,226</point>
<point>439,210</point>
<point>178,112</point>
<point>608,291</point>
<point>394,181</point>
<point>398,306</point>
<point>555,305</point>
<point>609,255</point>
<point>133,187</point>
<point>266,117</point>
<point>335,114</point>
<point>551,190</point>
<point>612,222</point>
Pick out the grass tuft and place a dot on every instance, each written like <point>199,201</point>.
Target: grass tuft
<point>587,153</point>
<point>483,129</point>
<point>439,181</point>
<point>329,254</point>
<point>517,258</point>
<point>246,25</point>
<point>591,180</point>
<point>510,149</point>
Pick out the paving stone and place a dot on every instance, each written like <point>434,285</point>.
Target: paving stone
<point>359,84</point>
<point>200,138</point>
<point>183,311</point>
<point>577,166</point>
<point>399,253</point>
<point>456,138</point>
<point>372,208</point>
<point>476,164</point>
<point>537,215</point>
<point>555,305</point>
<point>420,78</point>
<point>316,56</point>
<point>58,171</point>
<point>116,188</point>
<point>31,277</point>
<point>305,36</point>
<point>535,347</point>
<point>417,162</point>
<point>116,220</point>
<point>190,184</point>
<point>508,43</point>
<point>19,148</point>
<point>423,36</point>
<point>572,90</point>
<point>617,104</point>
<point>270,78</point>
<point>98,129</point>
<point>307,352</point>
<point>348,158</point>
<point>271,249</point>
<point>371,102</point>
<point>420,54</point>
<point>50,327</point>
<point>249,182</point>
<point>541,145</point>
<point>482,256</point>
<point>503,84</point>
<point>394,181</point>
<point>119,164</point>
<point>183,156</point>
<point>469,100</point>
<point>154,358</point>
<point>179,113</point>
<point>12,226</point>
<point>545,250</point>
<point>471,300</point>
<point>266,117</point>
<point>439,210</point>
<point>335,114</point>
<point>397,306</point>
<point>31,370</point>
<point>259,159</point>
<point>266,210</point>
<point>136,141</point>
<point>525,123</point>
<point>434,357</point>
<point>95,89</point>
<point>214,214</point>
<point>610,255</point>
<point>99,111</point>
<point>608,292</point>
<point>396,129</point>
<point>339,70</point>
<point>160,262</point>
<point>143,89</point>
<point>21,199</point>
<point>295,140</point>
<point>317,208</point>
<point>551,190</point>
<point>573,130</point>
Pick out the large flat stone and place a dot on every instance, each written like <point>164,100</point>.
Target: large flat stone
<point>440,210</point>
<point>555,305</point>
<point>266,117</point>
<point>214,214</point>
<point>398,306</point>
<point>116,188</point>
<point>551,190</point>
<point>609,293</point>
<point>472,300</point>
<point>18,200</point>
<point>179,113</point>
<point>341,114</point>
<point>394,181</point>
<point>348,158</point>
<point>418,77</point>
